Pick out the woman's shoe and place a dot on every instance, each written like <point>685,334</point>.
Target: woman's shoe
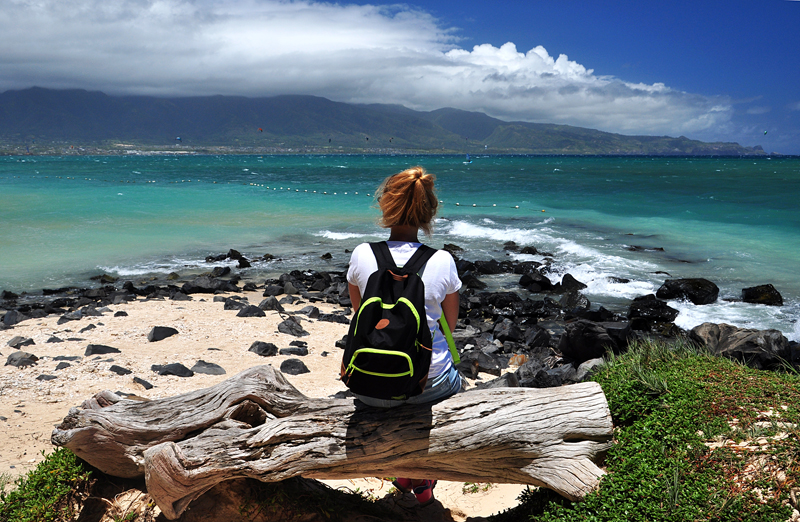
<point>424,493</point>
<point>402,484</point>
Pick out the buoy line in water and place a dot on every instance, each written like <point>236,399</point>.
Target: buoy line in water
<point>275,189</point>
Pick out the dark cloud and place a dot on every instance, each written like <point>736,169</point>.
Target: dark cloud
<point>364,54</point>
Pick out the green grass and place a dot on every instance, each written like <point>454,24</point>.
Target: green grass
<point>476,487</point>
<point>669,402</point>
<point>55,490</point>
<point>47,493</point>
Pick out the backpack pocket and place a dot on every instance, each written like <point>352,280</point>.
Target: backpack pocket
<point>381,363</point>
<point>383,374</point>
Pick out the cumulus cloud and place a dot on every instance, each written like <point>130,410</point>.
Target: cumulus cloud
<point>351,53</point>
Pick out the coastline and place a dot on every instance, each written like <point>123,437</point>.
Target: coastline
<point>64,329</point>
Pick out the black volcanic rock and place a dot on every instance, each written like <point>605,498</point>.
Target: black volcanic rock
<point>159,333</point>
<point>21,359</point>
<point>489,267</point>
<point>18,341</point>
<point>13,317</point>
<point>272,290</point>
<point>234,254</point>
<point>311,311</point>
<point>235,304</point>
<point>575,301</point>
<point>584,340</point>
<point>569,283</point>
<point>761,349</point>
<point>292,326</point>
<point>251,311</point>
<point>697,290</point>
<point>271,304</point>
<point>172,369</point>
<point>208,368</point>
<point>119,370</point>
<point>651,308</point>
<point>146,385</point>
<point>470,280</point>
<point>294,367</point>
<point>263,349</point>
<point>508,330</point>
<point>207,285</point>
<point>535,282</point>
<point>99,349</point>
<point>300,351</point>
<point>333,318</point>
<point>220,271</point>
<point>762,294</point>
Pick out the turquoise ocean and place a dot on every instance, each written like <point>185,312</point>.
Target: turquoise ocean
<point>730,220</point>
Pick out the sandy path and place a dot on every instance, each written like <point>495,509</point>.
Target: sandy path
<point>31,407</point>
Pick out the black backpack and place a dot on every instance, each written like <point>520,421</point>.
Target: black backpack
<point>389,345</point>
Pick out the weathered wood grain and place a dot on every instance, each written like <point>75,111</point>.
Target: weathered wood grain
<point>257,425</point>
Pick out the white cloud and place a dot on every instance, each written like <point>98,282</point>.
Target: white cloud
<point>389,54</point>
<point>794,106</point>
<point>758,110</point>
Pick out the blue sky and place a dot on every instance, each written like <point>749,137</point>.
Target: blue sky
<point>709,70</point>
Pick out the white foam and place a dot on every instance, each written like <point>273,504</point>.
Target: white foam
<point>337,235</point>
<point>739,314</point>
<point>518,235</point>
<point>160,266</point>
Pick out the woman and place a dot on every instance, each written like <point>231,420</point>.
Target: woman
<point>408,204</point>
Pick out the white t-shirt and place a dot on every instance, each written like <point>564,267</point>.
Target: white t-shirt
<point>440,278</point>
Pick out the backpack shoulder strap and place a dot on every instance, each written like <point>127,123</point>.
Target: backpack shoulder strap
<point>382,255</point>
<point>419,259</point>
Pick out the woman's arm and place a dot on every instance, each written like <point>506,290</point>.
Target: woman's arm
<point>449,309</point>
<point>355,296</point>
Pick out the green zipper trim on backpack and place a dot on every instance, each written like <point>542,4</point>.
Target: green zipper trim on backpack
<point>386,306</point>
<point>378,351</point>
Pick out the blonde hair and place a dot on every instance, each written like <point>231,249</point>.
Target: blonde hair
<point>408,198</point>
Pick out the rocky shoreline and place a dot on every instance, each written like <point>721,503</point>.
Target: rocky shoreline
<point>150,339</point>
<point>550,331</point>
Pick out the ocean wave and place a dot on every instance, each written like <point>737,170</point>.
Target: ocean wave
<point>157,267</point>
<point>739,314</point>
<point>337,235</point>
<point>520,236</point>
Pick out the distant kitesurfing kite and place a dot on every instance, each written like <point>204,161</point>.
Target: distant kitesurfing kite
<point>260,129</point>
<point>765,133</point>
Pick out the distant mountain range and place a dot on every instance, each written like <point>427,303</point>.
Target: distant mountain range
<point>41,118</point>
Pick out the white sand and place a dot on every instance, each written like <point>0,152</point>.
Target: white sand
<point>32,407</point>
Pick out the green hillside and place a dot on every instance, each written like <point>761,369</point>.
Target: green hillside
<point>39,119</point>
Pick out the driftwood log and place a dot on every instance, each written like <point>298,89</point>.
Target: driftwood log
<point>257,425</point>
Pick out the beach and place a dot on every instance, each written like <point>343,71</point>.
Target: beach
<point>31,408</point>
